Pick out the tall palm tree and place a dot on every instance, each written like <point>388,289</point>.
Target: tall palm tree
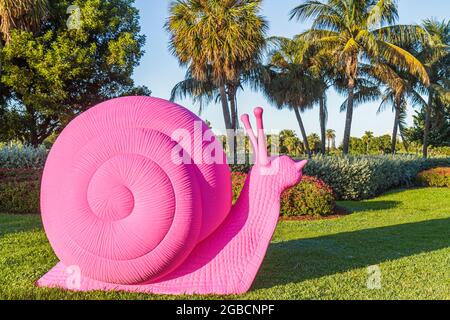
<point>288,82</point>
<point>331,138</point>
<point>359,32</point>
<point>435,55</point>
<point>218,41</point>
<point>321,68</point>
<point>400,90</point>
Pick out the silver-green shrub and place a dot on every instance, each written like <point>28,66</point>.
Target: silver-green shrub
<point>22,156</point>
<point>363,177</point>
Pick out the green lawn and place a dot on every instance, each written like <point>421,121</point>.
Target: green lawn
<point>406,233</point>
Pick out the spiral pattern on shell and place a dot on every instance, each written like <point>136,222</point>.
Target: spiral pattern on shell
<point>115,204</point>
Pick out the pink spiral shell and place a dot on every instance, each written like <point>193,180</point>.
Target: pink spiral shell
<point>113,201</point>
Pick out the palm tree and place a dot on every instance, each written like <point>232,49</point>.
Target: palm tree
<point>202,92</point>
<point>359,32</point>
<point>290,142</point>
<point>367,138</point>
<point>331,138</point>
<point>436,58</point>
<point>401,88</point>
<point>21,14</point>
<point>288,82</point>
<point>218,41</point>
<point>314,142</point>
<point>321,68</point>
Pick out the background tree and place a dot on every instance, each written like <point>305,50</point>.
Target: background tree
<point>288,81</point>
<point>16,14</point>
<point>331,139</point>
<point>435,55</point>
<point>314,142</point>
<point>218,41</point>
<point>21,14</point>
<point>367,139</point>
<point>290,144</point>
<point>358,32</point>
<point>439,134</point>
<point>55,73</point>
<point>400,89</point>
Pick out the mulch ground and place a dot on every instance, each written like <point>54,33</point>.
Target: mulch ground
<point>339,212</point>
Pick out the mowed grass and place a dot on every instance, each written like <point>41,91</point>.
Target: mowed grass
<point>405,233</point>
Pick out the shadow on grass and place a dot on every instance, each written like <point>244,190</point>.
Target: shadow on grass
<point>298,260</point>
<point>355,206</point>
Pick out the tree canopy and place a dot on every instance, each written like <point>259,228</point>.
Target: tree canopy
<point>51,75</point>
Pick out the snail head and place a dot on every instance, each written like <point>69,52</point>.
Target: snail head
<point>282,166</point>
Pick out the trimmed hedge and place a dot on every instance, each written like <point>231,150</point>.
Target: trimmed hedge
<point>437,177</point>
<point>310,197</point>
<point>364,177</point>
<point>19,191</point>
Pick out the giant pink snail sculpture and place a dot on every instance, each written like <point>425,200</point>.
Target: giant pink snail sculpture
<point>120,215</point>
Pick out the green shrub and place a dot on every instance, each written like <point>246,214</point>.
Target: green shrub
<point>310,197</point>
<point>356,178</point>
<point>19,156</point>
<point>364,177</point>
<point>19,190</point>
<point>437,177</point>
<point>439,151</point>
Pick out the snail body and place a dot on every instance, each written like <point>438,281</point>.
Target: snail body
<point>117,208</point>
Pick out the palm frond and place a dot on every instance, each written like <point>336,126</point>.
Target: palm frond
<point>364,94</point>
<point>311,9</point>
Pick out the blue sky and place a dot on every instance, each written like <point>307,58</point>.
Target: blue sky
<point>160,71</point>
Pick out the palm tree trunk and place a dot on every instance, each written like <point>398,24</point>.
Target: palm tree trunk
<point>226,117</point>
<point>322,126</point>
<point>302,130</point>
<point>426,131</point>
<point>405,143</point>
<point>1,72</point>
<point>233,109</point>
<point>349,116</point>
<point>234,120</point>
<point>395,130</point>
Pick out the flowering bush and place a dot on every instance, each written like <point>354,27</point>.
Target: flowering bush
<point>437,177</point>
<point>237,182</point>
<point>310,197</point>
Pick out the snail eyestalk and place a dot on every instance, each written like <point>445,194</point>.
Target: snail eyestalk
<point>262,145</point>
<point>248,127</point>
